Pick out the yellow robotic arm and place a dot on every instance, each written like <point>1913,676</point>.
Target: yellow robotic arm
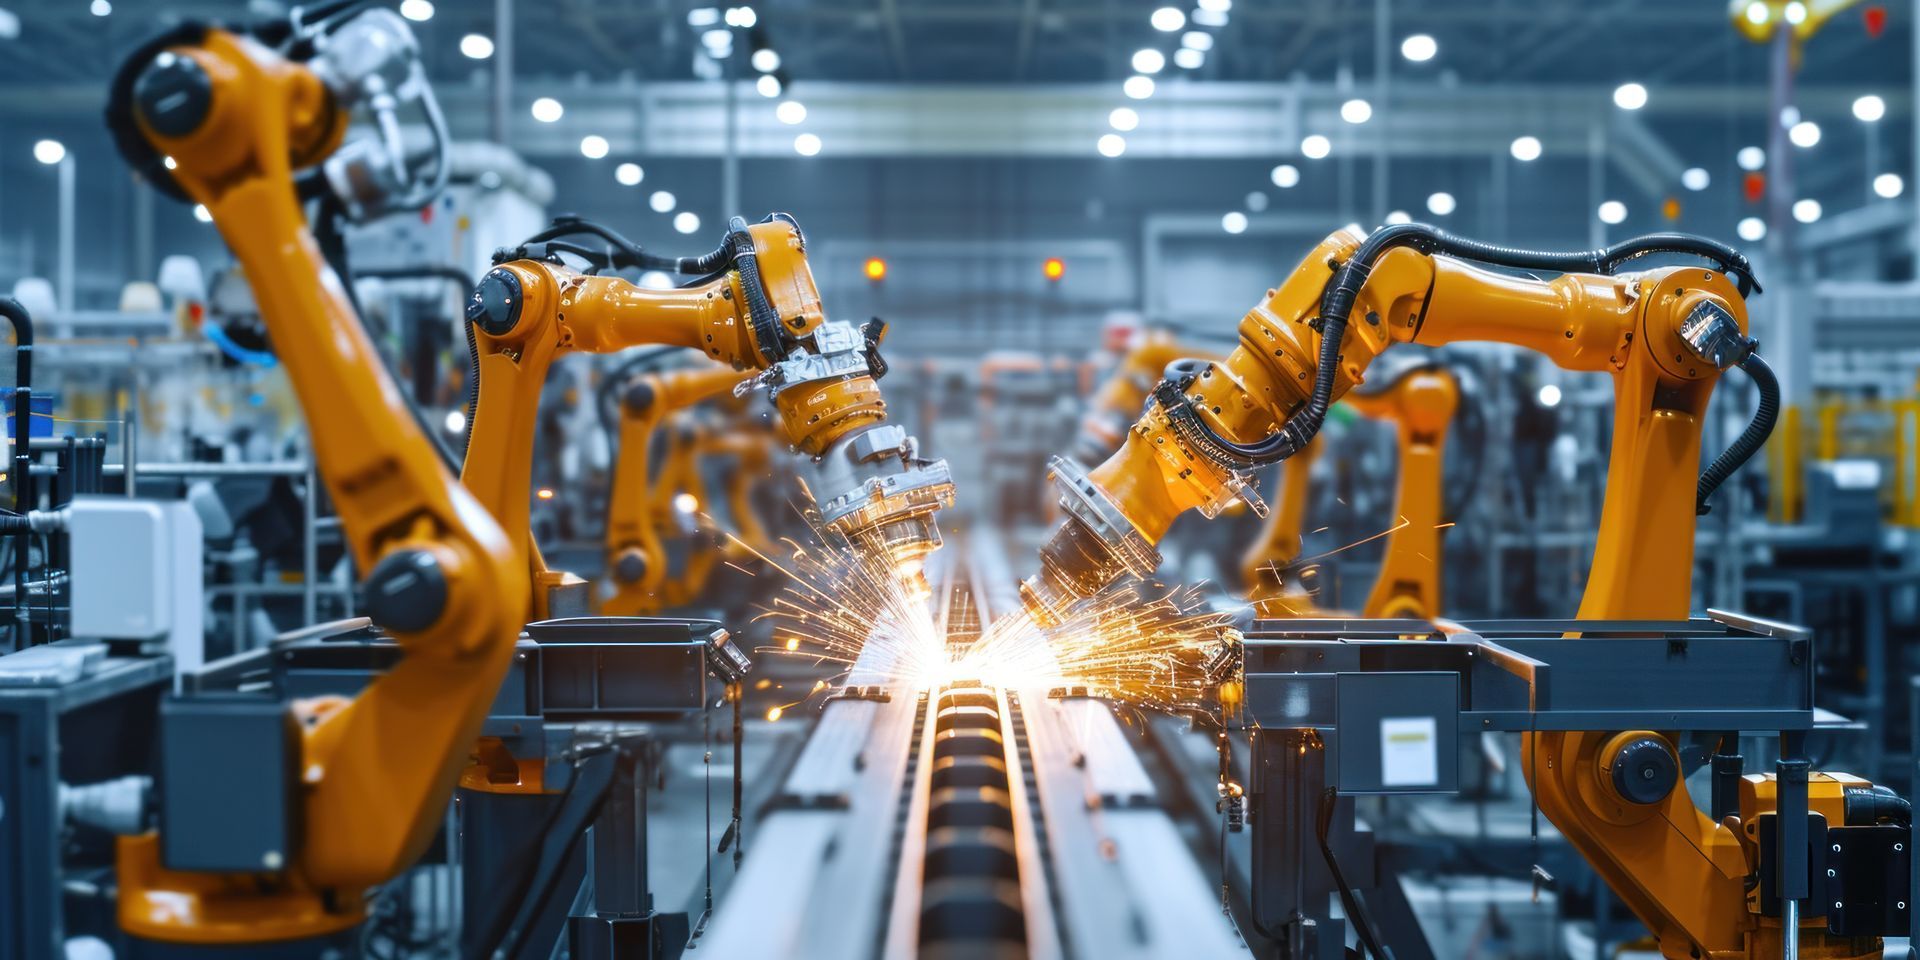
<point>1420,404</point>
<point>236,119</point>
<point>1665,335</point>
<point>758,309</point>
<point>1194,447</point>
<point>635,557</point>
<point>1265,567</point>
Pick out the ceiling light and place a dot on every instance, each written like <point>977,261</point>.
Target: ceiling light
<point>1138,88</point>
<point>806,144</point>
<point>202,214</point>
<point>100,8</point>
<point>768,85</point>
<point>1752,229</point>
<point>703,16</point>
<point>456,421</point>
<point>686,221</point>
<point>547,110</point>
<point>1189,59</point>
<point>1234,222</point>
<point>1316,147</point>
<point>766,60</point>
<point>1525,149</point>
<point>1789,115</point>
<point>719,43</point>
<point>1149,60</point>
<point>593,146</point>
<point>661,201</point>
<point>1197,40</point>
<point>1613,211</point>
<point>1549,395</point>
<point>1869,109</point>
<point>1399,216</point>
<point>1695,178</point>
<point>1215,6</point>
<point>1441,204</point>
<point>791,112</point>
<point>1286,176</point>
<point>1209,18</point>
<point>1806,211</point>
<point>49,151</point>
<point>1356,111</point>
<point>1168,19</point>
<point>1112,145</point>
<point>742,17</point>
<point>629,174</point>
<point>1888,185</point>
<point>1257,201</point>
<point>419,11</point>
<point>1804,134</point>
<point>1629,96</point>
<point>656,280</point>
<point>1123,119</point>
<point>1419,48</point>
<point>1751,158</point>
<point>476,46</point>
<point>1796,13</point>
<point>1758,13</point>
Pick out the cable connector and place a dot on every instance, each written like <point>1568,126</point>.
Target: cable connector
<point>1711,333</point>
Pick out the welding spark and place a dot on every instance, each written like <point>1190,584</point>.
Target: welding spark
<point>1142,643</point>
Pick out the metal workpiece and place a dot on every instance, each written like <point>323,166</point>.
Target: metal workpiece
<point>1125,882</point>
<point>967,820</point>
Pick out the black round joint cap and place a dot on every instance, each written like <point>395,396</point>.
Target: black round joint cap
<point>1644,771</point>
<point>638,398</point>
<point>173,95</point>
<point>494,305</point>
<point>407,591</point>
<point>630,567</point>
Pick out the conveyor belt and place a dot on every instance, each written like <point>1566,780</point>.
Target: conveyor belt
<point>969,822</point>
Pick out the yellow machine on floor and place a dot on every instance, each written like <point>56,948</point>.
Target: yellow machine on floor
<point>636,557</point>
<point>1420,402</point>
<point>1665,334</point>
<point>219,118</point>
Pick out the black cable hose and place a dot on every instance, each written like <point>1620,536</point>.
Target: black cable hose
<point>765,322</point>
<point>1356,911</point>
<point>1750,440</point>
<point>1336,306</point>
<point>461,279</point>
<point>22,454</point>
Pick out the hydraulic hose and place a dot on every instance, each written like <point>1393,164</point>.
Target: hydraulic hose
<point>1750,440</point>
<point>23,458</point>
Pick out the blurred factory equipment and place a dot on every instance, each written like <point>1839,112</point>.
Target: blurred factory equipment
<point>1419,398</point>
<point>636,555</point>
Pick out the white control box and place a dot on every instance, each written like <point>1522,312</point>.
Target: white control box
<point>137,574</point>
